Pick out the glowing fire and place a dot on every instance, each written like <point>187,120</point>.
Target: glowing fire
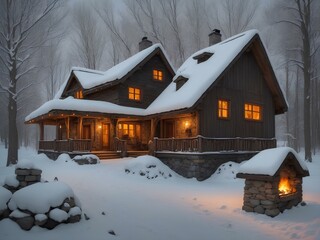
<point>285,186</point>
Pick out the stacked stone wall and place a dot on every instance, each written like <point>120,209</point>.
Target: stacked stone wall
<point>263,197</point>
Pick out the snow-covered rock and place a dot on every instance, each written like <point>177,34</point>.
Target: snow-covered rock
<point>149,167</point>
<point>86,159</point>
<point>5,196</point>
<point>40,197</point>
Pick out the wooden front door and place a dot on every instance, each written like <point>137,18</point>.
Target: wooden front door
<point>106,136</point>
<point>168,129</point>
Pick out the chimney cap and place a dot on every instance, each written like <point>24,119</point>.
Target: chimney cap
<point>215,31</point>
<point>145,38</point>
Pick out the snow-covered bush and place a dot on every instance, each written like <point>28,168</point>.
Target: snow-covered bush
<point>86,159</point>
<point>149,167</point>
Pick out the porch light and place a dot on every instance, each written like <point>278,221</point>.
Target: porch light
<point>187,124</point>
<point>100,126</point>
<point>60,126</point>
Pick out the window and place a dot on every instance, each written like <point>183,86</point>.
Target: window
<point>157,75</point>
<point>252,112</point>
<point>78,94</point>
<point>134,94</point>
<point>223,109</point>
<point>129,130</point>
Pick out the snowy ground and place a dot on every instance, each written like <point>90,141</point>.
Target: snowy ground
<point>143,206</point>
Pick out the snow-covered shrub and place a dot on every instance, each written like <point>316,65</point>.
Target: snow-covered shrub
<point>149,167</point>
<point>86,159</point>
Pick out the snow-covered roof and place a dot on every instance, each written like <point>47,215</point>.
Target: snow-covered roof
<point>90,79</point>
<point>200,76</point>
<point>267,162</point>
<point>72,104</point>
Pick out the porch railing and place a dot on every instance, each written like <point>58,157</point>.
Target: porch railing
<point>204,144</point>
<point>70,145</point>
<point>120,145</point>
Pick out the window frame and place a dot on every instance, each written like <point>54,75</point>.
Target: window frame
<point>157,75</point>
<point>129,130</point>
<point>252,111</point>
<point>78,94</point>
<point>134,94</point>
<point>219,109</point>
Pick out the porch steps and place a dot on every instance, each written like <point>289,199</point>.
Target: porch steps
<point>107,154</point>
<point>114,155</point>
<point>136,153</point>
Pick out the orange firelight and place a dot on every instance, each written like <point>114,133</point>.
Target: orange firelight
<point>285,186</point>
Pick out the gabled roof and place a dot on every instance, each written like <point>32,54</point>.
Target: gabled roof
<point>202,76</point>
<point>90,79</point>
<point>269,162</point>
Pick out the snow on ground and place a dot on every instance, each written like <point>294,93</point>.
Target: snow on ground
<point>135,207</point>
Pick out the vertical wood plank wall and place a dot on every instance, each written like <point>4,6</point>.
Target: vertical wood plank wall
<point>243,83</point>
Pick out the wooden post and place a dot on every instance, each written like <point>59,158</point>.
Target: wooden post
<point>80,127</point>
<point>67,122</point>
<point>154,123</point>
<point>199,143</point>
<point>41,131</point>
<point>114,123</point>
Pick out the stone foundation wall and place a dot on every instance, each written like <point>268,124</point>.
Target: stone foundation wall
<point>197,165</point>
<point>263,197</point>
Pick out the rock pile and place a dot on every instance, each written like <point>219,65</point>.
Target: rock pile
<point>67,212</point>
<point>29,202</point>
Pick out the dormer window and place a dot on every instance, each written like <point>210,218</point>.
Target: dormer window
<point>203,57</point>
<point>157,75</point>
<point>134,94</point>
<point>180,81</point>
<point>78,94</point>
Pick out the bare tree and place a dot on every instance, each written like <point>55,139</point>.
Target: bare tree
<point>89,41</point>
<point>146,15</point>
<point>18,43</point>
<point>302,20</point>
<point>233,16</point>
<point>107,12</point>
<point>170,11</point>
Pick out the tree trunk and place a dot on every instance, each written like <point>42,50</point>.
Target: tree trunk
<point>13,136</point>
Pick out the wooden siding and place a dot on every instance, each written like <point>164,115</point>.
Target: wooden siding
<point>74,86</point>
<point>243,83</point>
<point>108,95</point>
<point>143,79</point>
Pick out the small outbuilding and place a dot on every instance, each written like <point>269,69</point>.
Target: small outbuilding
<point>273,181</point>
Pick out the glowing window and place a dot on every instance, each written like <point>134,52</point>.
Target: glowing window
<point>157,75</point>
<point>223,109</point>
<point>130,130</point>
<point>134,94</point>
<point>78,94</point>
<point>252,112</point>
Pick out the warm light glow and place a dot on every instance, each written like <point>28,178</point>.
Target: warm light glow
<point>134,94</point>
<point>99,126</point>
<point>157,75</point>
<point>119,126</point>
<point>285,186</point>
<point>60,126</point>
<point>223,109</point>
<point>252,112</point>
<point>78,94</point>
<point>187,124</point>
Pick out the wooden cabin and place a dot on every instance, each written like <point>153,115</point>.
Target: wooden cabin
<point>224,98</point>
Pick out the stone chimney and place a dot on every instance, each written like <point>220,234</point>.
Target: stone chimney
<point>145,43</point>
<point>214,37</point>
